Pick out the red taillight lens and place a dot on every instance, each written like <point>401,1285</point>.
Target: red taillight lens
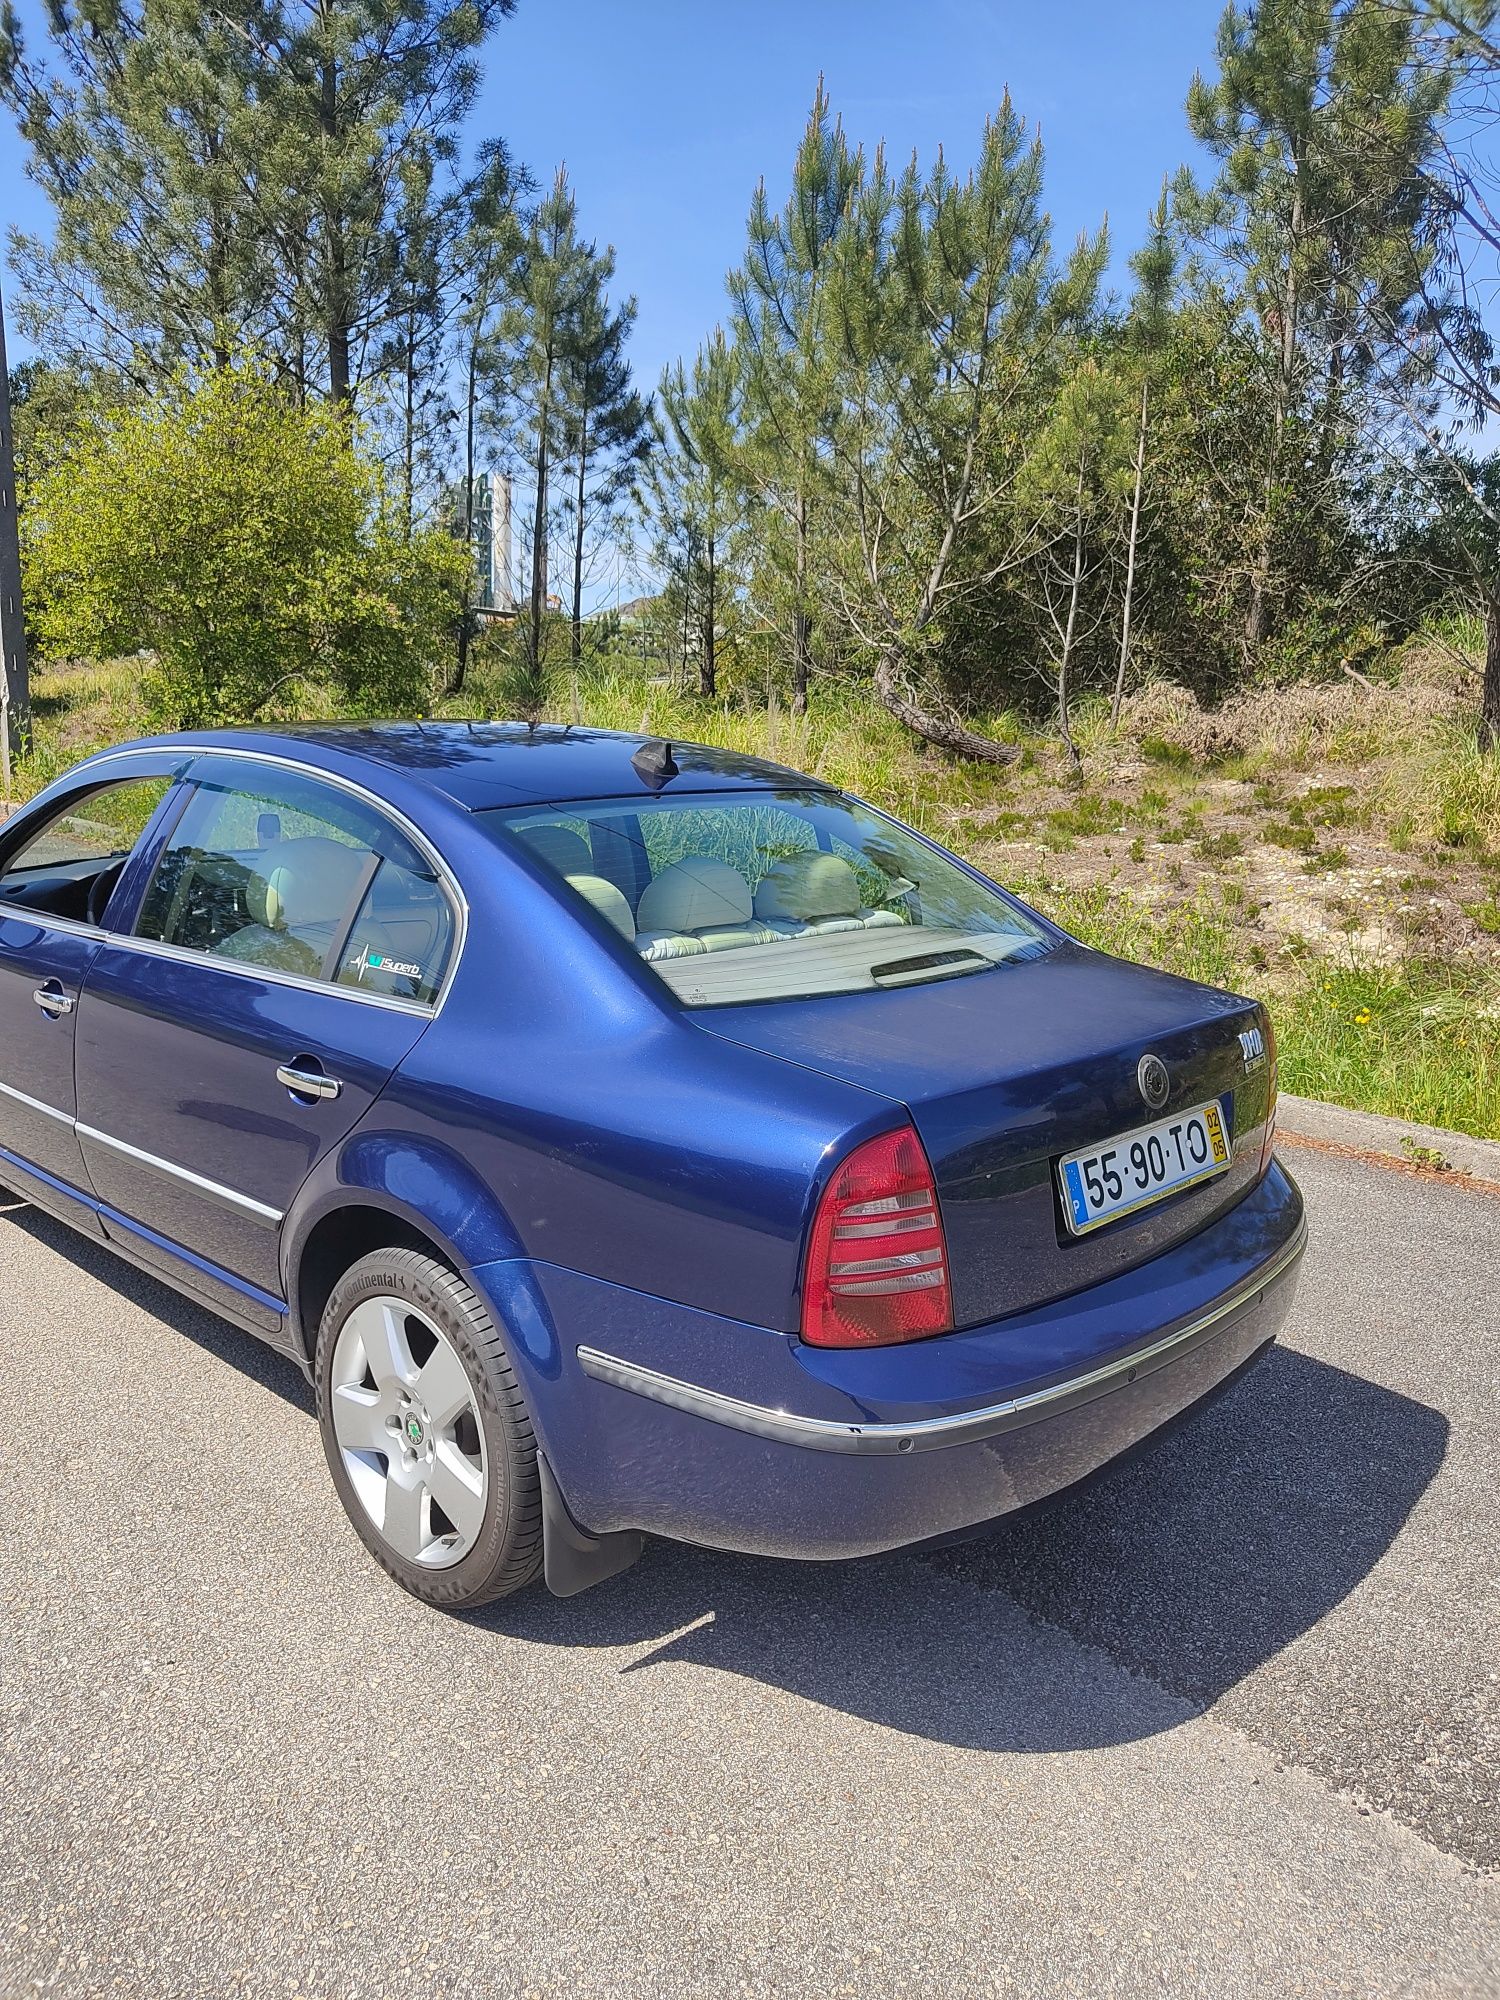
<point>1271,1088</point>
<point>877,1265</point>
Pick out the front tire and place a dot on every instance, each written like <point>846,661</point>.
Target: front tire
<point>426,1431</point>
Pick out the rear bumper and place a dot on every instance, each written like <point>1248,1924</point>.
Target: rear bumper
<point>845,1454</point>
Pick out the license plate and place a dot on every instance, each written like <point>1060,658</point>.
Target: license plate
<point>1141,1166</point>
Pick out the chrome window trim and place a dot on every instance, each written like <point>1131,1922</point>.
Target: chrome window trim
<point>933,1433</point>
<point>447,882</point>
<point>44,920</point>
<point>227,1197</point>
<point>184,955</point>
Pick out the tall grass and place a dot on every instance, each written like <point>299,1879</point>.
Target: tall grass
<point>1419,1042</point>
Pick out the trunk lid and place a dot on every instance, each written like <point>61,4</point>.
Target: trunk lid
<point>1005,1071</point>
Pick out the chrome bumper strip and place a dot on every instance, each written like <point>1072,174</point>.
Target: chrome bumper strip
<point>933,1433</point>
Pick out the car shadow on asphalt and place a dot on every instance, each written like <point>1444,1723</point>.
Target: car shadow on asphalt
<point>1190,1565</point>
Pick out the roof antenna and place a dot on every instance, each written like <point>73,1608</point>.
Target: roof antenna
<point>654,765</point>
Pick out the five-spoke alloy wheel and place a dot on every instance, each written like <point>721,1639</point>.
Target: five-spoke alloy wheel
<point>406,1420</point>
<point>426,1430</point>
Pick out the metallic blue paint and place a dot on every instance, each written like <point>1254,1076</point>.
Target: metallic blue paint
<point>615,1172</point>
<point>260,1311</point>
<point>36,1051</point>
<point>637,1464</point>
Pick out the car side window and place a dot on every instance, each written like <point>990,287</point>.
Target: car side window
<point>402,935</point>
<point>272,870</point>
<point>69,864</point>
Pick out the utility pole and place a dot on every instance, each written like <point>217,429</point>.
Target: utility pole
<point>15,686</point>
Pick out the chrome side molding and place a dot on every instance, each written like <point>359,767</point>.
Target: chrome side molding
<point>227,1197</point>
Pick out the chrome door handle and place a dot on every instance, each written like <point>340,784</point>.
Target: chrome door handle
<point>52,1002</point>
<point>308,1082</point>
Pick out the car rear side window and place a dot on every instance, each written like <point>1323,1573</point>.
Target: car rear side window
<point>402,936</point>
<point>282,872</point>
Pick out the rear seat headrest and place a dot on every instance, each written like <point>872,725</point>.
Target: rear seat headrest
<point>559,846</point>
<point>805,888</point>
<point>695,894</point>
<point>607,900</point>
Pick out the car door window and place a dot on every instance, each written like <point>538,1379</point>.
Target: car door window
<point>402,936</point>
<point>272,870</point>
<point>67,866</point>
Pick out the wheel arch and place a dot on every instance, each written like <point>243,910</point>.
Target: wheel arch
<point>382,1191</point>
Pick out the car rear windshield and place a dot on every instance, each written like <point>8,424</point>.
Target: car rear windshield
<point>775,895</point>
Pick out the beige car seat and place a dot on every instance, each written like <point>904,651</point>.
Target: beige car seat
<point>697,904</point>
<point>815,892</point>
<point>559,846</point>
<point>299,894</point>
<point>607,900</point>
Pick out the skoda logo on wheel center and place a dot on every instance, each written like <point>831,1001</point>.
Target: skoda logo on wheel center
<point>1155,1083</point>
<point>414,1430</point>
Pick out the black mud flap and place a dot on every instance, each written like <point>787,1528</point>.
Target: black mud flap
<point>572,1559</point>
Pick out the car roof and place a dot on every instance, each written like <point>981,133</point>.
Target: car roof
<point>481,765</point>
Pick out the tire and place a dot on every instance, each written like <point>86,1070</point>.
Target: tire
<point>389,1398</point>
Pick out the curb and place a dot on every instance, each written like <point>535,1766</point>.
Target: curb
<point>1389,1138</point>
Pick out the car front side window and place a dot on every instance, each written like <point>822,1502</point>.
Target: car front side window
<point>67,867</point>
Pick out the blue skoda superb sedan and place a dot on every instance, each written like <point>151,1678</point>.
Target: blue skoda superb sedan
<point>629,1138</point>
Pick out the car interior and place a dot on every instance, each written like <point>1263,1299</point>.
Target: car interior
<point>283,905</point>
<point>77,889</point>
<point>774,901</point>
<point>701,904</point>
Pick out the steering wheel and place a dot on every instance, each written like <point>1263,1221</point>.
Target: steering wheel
<point>100,891</point>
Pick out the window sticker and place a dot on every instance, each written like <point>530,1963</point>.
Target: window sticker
<point>379,961</point>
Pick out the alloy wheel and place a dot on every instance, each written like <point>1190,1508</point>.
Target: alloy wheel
<point>407,1424</point>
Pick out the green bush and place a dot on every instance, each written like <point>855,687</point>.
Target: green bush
<point>244,541</point>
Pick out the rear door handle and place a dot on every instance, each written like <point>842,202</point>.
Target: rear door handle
<point>307,1082</point>
<point>52,1000</point>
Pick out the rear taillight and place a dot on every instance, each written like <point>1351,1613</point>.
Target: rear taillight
<point>877,1265</point>
<point>1270,1138</point>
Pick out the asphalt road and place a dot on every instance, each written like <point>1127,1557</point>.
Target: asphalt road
<point>1228,1723</point>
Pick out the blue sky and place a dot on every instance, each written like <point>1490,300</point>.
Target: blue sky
<point>668,112</point>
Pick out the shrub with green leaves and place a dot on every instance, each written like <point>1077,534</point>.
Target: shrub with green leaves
<point>246,543</point>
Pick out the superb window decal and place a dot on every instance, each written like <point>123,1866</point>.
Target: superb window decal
<point>377,961</point>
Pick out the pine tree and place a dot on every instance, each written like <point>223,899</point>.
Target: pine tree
<point>1323,122</point>
<point>1074,487</point>
<point>348,90</point>
<point>232,179</point>
<point>488,254</point>
<point>1148,330</point>
<point>780,330</point>
<point>415,351</point>
<point>142,139</point>
<point>553,274</point>
<point>951,320</point>
<point>605,422</point>
<point>691,493</point>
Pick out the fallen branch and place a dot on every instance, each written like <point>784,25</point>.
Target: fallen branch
<point>937,729</point>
